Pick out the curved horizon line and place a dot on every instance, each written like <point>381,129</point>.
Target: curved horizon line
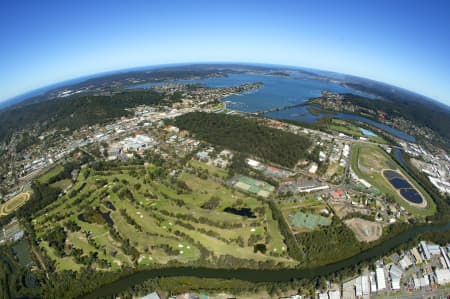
<point>21,97</point>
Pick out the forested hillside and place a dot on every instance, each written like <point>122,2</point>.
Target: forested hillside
<point>73,113</point>
<point>246,135</point>
<point>421,113</point>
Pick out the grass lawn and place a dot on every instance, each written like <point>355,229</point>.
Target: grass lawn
<point>345,127</point>
<point>161,223</point>
<point>51,173</point>
<point>342,126</point>
<point>213,170</point>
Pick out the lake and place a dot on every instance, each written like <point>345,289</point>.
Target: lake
<point>367,133</point>
<point>276,92</point>
<point>280,92</point>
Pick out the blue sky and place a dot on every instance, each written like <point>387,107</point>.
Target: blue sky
<point>405,43</point>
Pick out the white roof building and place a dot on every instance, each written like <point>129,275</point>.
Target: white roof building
<point>395,281</point>
<point>445,256</point>
<point>323,296</point>
<point>313,168</point>
<point>348,289</point>
<point>434,249</point>
<point>253,163</point>
<point>421,282</point>
<point>334,294</point>
<point>405,262</point>
<point>381,279</point>
<point>426,253</point>
<point>395,272</point>
<point>365,285</point>
<point>442,276</point>
<point>358,286</point>
<point>373,283</point>
<point>138,142</point>
<point>153,295</point>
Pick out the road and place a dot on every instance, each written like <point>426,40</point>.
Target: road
<point>439,293</point>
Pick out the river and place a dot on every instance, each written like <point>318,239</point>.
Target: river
<point>302,114</point>
<point>266,275</point>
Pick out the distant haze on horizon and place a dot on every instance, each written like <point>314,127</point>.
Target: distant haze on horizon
<point>403,43</point>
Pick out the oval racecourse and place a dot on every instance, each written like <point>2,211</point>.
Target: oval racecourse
<point>14,203</point>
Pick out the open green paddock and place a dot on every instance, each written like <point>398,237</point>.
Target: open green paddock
<point>213,170</point>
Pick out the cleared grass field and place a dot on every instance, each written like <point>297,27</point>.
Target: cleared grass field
<point>365,231</point>
<point>368,162</point>
<point>213,170</point>
<point>51,173</point>
<point>342,126</point>
<point>162,220</point>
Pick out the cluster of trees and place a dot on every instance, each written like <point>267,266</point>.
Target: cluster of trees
<point>93,215</point>
<point>212,203</point>
<point>65,173</point>
<point>26,139</point>
<point>56,239</point>
<point>329,244</point>
<point>126,246</point>
<point>43,195</point>
<point>72,226</point>
<point>88,259</point>
<point>130,220</point>
<point>202,220</point>
<point>17,281</point>
<point>5,280</point>
<point>249,136</point>
<point>293,247</point>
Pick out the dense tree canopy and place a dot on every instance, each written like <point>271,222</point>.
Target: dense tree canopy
<point>246,135</point>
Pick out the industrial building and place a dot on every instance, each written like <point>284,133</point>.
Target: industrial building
<point>425,252</point>
<point>381,279</point>
<point>395,273</point>
<point>442,276</point>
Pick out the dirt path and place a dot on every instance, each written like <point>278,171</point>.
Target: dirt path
<point>40,259</point>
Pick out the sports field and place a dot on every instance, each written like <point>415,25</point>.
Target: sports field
<point>14,203</point>
<point>369,161</point>
<point>304,216</point>
<point>308,220</point>
<point>253,186</point>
